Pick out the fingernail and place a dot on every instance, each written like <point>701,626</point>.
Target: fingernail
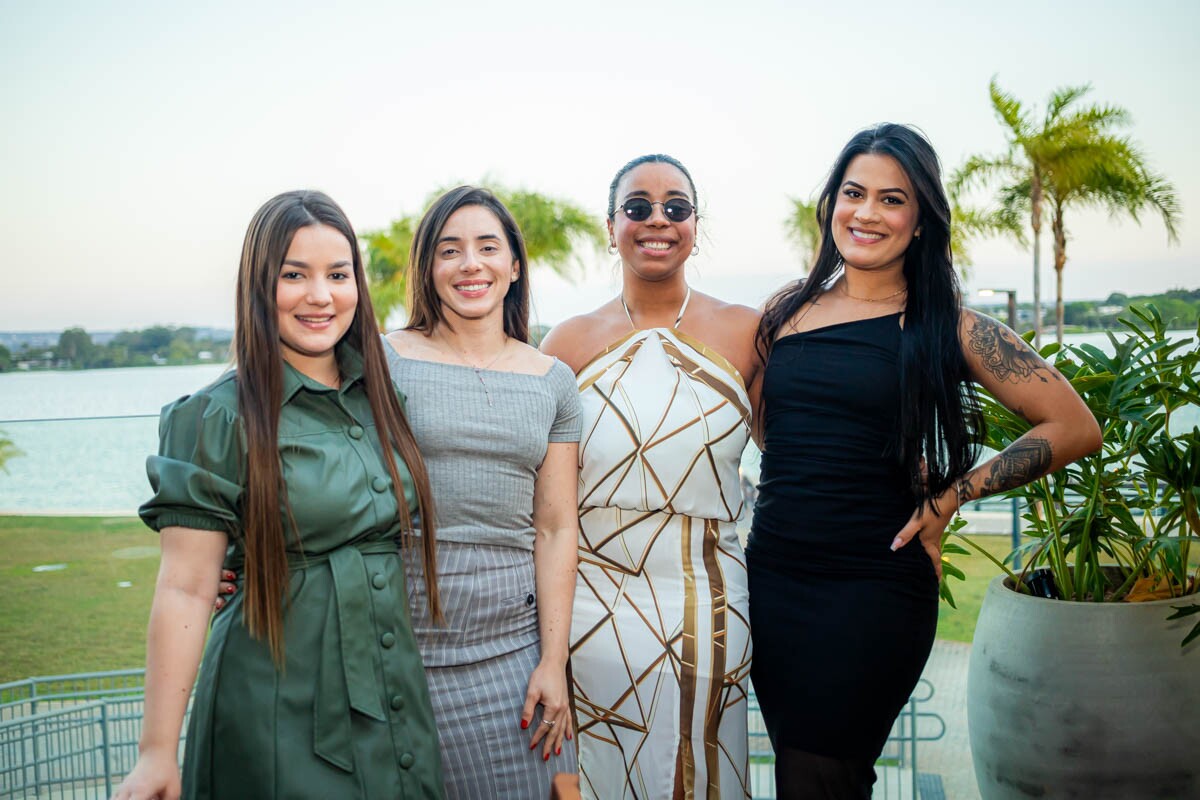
<point>558,751</point>
<point>228,590</point>
<point>524,724</point>
<point>227,575</point>
<point>546,757</point>
<point>532,745</point>
<point>568,735</point>
<point>219,604</point>
<point>895,543</point>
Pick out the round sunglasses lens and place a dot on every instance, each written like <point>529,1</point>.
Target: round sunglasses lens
<point>677,210</point>
<point>637,210</point>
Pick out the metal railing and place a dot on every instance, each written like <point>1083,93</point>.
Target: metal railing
<point>69,736</point>
<point>75,736</point>
<point>897,775</point>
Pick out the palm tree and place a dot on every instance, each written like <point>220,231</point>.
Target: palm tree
<point>553,228</point>
<point>803,229</point>
<point>1108,172</point>
<point>7,450</point>
<point>387,265</point>
<point>969,222</point>
<point>1035,150</point>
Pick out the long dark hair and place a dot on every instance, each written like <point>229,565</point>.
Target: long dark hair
<point>939,412</point>
<point>260,391</point>
<point>425,307</point>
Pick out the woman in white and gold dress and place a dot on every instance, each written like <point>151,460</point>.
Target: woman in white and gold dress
<point>660,640</point>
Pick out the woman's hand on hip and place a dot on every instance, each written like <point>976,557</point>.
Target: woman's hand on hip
<point>928,524</point>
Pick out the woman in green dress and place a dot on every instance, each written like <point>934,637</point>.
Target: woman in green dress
<point>301,460</point>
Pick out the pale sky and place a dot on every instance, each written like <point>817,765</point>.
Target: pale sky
<point>138,138</point>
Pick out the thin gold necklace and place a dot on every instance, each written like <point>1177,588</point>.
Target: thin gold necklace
<point>678,317</point>
<point>846,292</point>
<point>479,370</point>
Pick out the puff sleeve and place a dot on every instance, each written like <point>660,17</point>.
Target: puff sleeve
<point>196,476</point>
<point>568,425</point>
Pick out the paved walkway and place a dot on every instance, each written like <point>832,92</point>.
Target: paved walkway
<point>950,756</point>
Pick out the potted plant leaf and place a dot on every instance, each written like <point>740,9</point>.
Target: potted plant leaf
<point>1084,678</point>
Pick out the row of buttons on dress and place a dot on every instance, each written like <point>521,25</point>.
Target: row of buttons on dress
<point>379,581</point>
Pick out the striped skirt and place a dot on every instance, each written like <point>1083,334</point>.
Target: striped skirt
<point>478,666</point>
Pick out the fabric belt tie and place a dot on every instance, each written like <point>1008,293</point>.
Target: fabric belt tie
<point>347,674</point>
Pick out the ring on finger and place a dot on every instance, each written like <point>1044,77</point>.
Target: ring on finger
<point>548,722</point>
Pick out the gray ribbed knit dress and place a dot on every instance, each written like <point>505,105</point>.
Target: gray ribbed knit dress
<point>483,460</point>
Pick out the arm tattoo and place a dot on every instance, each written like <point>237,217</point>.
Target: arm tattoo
<point>1025,460</point>
<point>1003,354</point>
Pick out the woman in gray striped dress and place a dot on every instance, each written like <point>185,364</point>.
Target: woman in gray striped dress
<point>498,425</point>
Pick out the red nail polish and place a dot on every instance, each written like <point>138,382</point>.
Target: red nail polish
<point>228,590</point>
<point>546,757</point>
<point>558,751</point>
<point>532,745</point>
<point>524,724</point>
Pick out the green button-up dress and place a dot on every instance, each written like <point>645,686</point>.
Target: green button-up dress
<point>349,716</point>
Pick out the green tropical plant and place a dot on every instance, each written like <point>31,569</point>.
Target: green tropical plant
<point>803,229</point>
<point>7,450</point>
<point>1119,524</point>
<point>554,230</point>
<point>1036,148</point>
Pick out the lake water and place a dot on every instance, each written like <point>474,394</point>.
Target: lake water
<point>97,466</point>
<point>93,465</point>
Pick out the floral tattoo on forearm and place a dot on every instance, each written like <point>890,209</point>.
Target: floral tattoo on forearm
<point>1004,355</point>
<point>1027,459</point>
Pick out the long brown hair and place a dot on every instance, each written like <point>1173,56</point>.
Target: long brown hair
<point>260,392</point>
<point>425,308</point>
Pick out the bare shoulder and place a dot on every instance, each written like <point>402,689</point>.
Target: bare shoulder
<point>528,359</point>
<point>729,328</point>
<point>407,343</point>
<point>736,316</point>
<point>576,341</point>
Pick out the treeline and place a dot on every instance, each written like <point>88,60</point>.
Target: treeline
<point>1179,307</point>
<point>154,346</point>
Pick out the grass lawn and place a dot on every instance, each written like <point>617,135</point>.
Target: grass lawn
<point>79,619</point>
<point>76,619</point>
<point>958,624</point>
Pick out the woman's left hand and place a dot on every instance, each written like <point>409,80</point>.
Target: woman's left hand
<point>548,688</point>
<point>928,525</point>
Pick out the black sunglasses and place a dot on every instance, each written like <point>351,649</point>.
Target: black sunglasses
<point>639,209</point>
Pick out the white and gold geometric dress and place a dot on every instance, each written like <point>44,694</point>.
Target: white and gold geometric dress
<point>660,637</point>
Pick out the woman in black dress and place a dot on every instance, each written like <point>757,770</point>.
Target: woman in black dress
<point>868,443</point>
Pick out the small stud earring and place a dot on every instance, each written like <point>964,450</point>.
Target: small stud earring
<point>696,250</point>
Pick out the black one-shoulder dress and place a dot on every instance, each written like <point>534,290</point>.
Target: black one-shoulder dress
<point>842,626</point>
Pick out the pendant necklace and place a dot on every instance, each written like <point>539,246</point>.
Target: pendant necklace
<point>479,370</point>
<point>678,317</point>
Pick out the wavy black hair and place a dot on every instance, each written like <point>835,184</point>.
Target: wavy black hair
<point>939,412</point>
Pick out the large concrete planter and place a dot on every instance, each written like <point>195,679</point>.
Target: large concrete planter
<point>1083,700</point>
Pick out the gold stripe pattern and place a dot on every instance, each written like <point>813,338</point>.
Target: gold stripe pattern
<point>660,644</point>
